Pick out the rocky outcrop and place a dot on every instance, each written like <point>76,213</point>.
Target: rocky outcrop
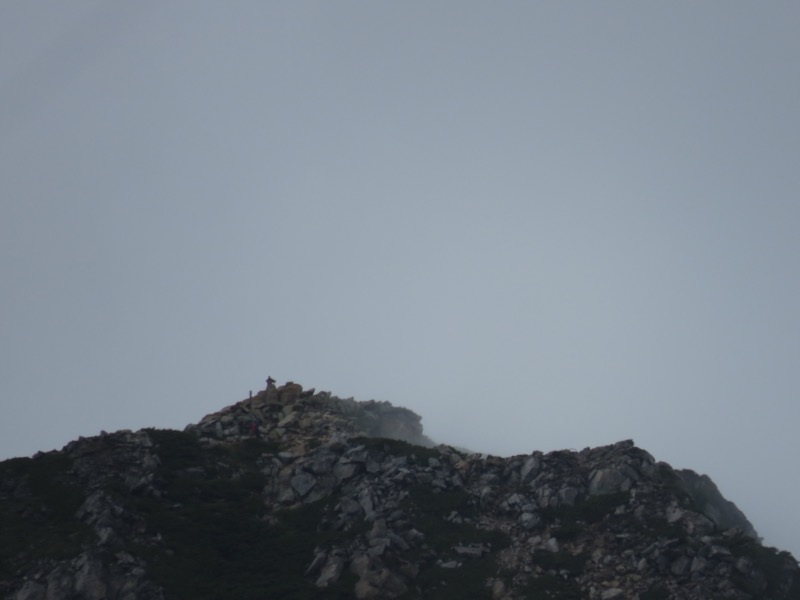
<point>288,414</point>
<point>705,494</point>
<point>297,494</point>
<point>91,577</point>
<point>80,531</point>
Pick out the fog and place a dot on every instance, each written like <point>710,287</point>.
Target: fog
<point>538,225</point>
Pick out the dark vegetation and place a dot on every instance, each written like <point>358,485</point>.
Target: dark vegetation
<point>563,562</point>
<point>383,446</point>
<point>216,542</point>
<point>657,592</point>
<point>573,520</point>
<point>431,509</point>
<point>561,568</point>
<point>551,587</point>
<point>774,564</point>
<point>224,554</point>
<point>37,511</point>
<point>673,482</point>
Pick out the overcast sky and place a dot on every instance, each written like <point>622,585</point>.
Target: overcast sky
<point>540,225</point>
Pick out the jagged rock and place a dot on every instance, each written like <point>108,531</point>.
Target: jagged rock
<point>90,580</point>
<point>331,571</point>
<point>365,590</point>
<point>604,522</point>
<point>530,468</point>
<point>674,513</point>
<point>681,565</point>
<point>31,590</point>
<point>348,470</point>
<point>469,551</point>
<point>698,564</point>
<point>529,520</point>
<point>606,481</point>
<point>498,590</point>
<point>320,559</point>
<point>722,512</point>
<point>303,482</point>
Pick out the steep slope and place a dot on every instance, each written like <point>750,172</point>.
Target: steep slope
<point>292,494</point>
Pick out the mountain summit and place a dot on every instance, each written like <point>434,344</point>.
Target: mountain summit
<point>302,495</point>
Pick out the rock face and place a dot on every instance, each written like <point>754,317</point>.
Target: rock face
<point>296,494</point>
<point>707,497</point>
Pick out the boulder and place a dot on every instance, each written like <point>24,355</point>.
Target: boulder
<point>607,481</point>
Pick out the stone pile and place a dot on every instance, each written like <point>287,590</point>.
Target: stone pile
<point>290,416</point>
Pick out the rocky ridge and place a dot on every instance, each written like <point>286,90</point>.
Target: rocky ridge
<point>297,494</point>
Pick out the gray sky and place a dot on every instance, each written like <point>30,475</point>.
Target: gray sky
<point>540,225</point>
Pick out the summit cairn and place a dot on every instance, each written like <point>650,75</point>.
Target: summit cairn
<point>292,416</point>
